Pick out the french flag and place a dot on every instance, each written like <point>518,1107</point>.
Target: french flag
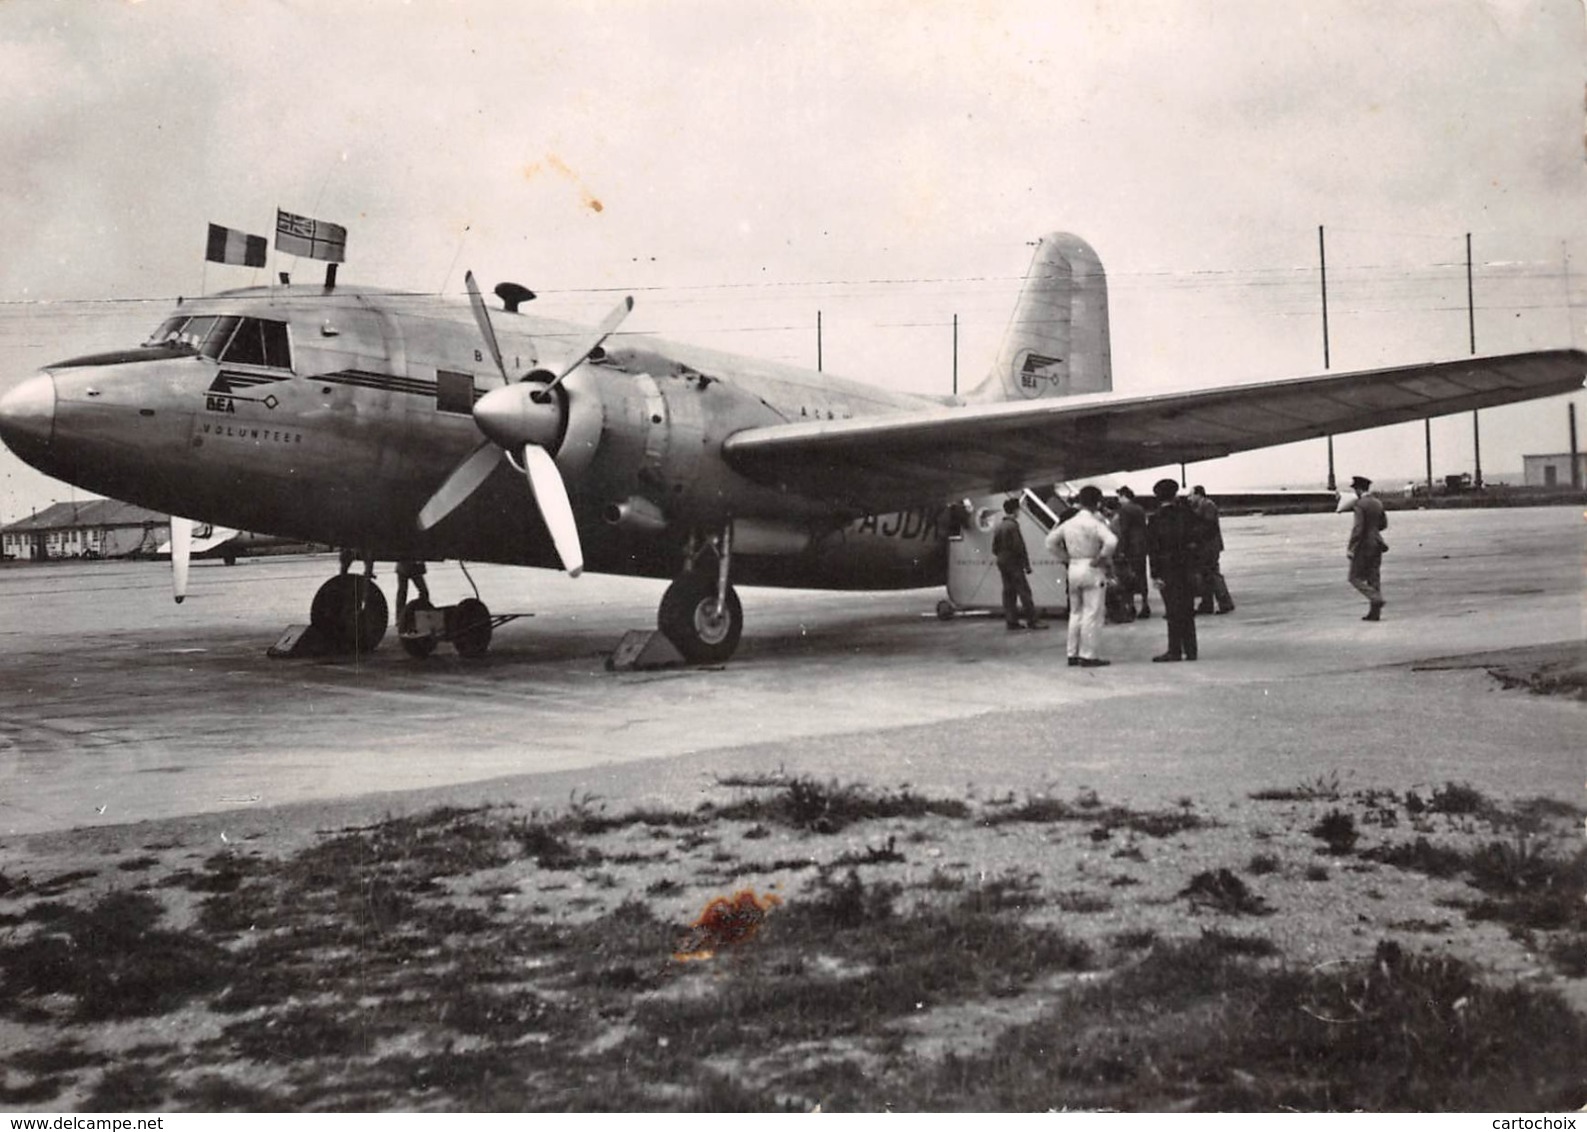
<point>228,245</point>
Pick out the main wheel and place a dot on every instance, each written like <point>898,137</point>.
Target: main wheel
<point>416,647</point>
<point>350,612</point>
<point>698,628</point>
<point>468,624</point>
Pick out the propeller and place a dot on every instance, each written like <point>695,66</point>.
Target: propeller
<point>526,419</point>
<point>181,554</point>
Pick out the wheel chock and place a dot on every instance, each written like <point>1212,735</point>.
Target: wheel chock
<point>300,641</point>
<point>642,649</point>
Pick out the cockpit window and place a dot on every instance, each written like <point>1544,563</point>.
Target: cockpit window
<point>227,338</point>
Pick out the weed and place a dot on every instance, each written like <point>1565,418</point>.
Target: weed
<point>1045,810</point>
<point>1337,830</point>
<point>804,803</point>
<point>873,855</point>
<point>1224,892</point>
<point>1427,927</point>
<point>543,841</point>
<point>1459,798</point>
<point>1569,953</point>
<point>940,881</point>
<point>1263,864</point>
<point>1227,943</point>
<point>1420,856</point>
<point>847,904</point>
<point>1083,903</point>
<point>1323,788</point>
<point>1138,939</point>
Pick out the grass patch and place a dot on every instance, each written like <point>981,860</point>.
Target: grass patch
<point>110,961</point>
<point>806,804</point>
<point>1044,810</point>
<point>1198,1026</point>
<point>1323,788</point>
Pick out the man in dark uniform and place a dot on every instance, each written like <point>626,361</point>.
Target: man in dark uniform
<point>1172,534</point>
<point>1209,581</point>
<point>1132,550</point>
<point>1366,546</point>
<point>1013,562</point>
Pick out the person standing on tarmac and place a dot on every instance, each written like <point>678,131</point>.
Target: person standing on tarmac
<point>410,569</point>
<point>1366,545</point>
<point>1013,563</point>
<point>1132,550</point>
<point>1085,544</point>
<point>1172,532</point>
<point>1210,581</point>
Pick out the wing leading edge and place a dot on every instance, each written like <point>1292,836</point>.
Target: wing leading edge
<point>883,463</point>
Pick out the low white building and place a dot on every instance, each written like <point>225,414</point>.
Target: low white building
<point>1554,470</point>
<point>96,528</point>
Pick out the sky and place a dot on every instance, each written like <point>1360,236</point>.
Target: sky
<point>739,168</point>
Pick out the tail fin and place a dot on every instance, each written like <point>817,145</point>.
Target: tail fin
<point>1057,342</point>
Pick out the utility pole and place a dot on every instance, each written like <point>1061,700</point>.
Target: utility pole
<point>1427,426</point>
<point>818,341</point>
<point>1471,322</point>
<point>955,355</point>
<point>1322,261</point>
<point>1575,460</point>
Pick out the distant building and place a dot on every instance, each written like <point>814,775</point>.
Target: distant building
<point>1554,471</point>
<point>97,528</point>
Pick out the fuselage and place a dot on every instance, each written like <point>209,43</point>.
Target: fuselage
<point>332,415</point>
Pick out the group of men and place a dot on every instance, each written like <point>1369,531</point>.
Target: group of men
<point>1178,546</point>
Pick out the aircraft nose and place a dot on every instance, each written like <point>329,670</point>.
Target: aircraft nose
<point>27,417</point>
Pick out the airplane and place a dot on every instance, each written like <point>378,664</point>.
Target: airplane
<point>417,428</point>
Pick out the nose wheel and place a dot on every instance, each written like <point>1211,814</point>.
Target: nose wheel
<point>350,614</point>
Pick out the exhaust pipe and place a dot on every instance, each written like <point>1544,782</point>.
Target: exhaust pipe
<point>635,514</point>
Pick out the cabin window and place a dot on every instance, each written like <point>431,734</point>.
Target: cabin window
<point>454,392</point>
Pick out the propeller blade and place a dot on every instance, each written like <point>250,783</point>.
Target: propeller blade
<point>482,316</point>
<point>181,555</point>
<point>597,336</point>
<point>551,494</point>
<point>463,481</point>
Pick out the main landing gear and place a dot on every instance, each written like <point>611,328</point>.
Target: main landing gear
<point>350,617</point>
<point>349,614</point>
<point>701,614</point>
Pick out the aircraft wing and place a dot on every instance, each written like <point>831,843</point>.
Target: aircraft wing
<point>883,463</point>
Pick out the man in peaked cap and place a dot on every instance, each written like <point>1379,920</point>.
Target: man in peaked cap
<point>1366,546</point>
<point>1173,532</point>
<point>1013,563</point>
